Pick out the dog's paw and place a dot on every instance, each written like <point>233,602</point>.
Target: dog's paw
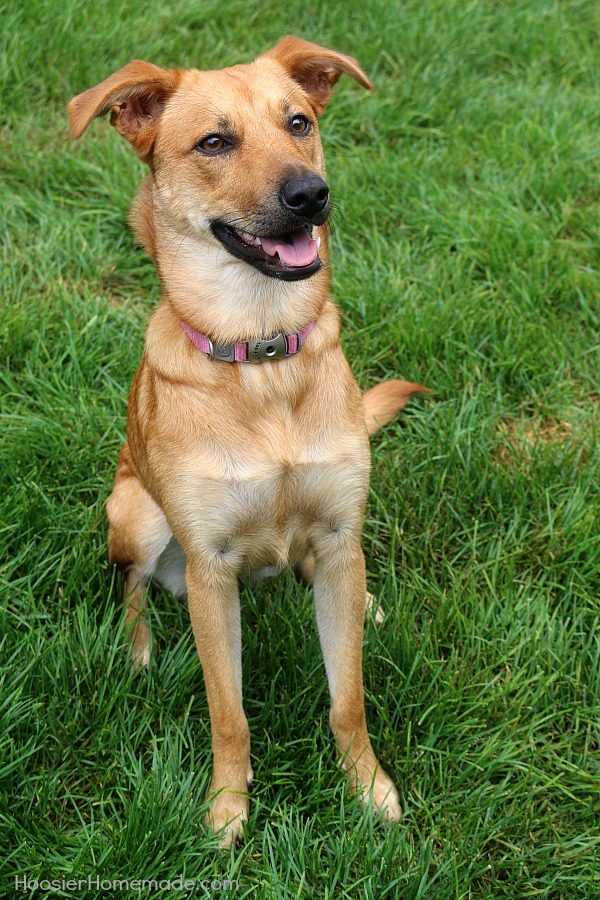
<point>385,797</point>
<point>140,646</point>
<point>374,786</point>
<point>227,817</point>
<point>375,609</point>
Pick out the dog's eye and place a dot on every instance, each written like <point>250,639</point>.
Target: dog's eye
<point>214,143</point>
<point>299,125</point>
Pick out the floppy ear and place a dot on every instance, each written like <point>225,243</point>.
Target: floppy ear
<point>315,68</point>
<point>136,94</point>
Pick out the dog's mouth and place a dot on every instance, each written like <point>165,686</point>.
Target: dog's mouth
<point>291,256</point>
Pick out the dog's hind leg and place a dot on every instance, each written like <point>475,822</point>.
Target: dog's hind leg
<point>138,534</point>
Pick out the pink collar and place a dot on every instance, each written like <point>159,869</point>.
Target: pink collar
<point>277,347</point>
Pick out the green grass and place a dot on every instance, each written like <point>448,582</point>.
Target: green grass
<point>466,256</point>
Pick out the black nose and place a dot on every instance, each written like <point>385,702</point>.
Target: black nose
<point>306,196</point>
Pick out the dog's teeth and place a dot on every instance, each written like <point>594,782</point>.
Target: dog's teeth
<point>250,239</point>
<point>318,243</point>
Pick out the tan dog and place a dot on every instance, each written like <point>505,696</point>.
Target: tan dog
<point>231,467</point>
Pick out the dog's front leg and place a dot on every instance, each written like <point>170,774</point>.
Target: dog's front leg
<point>340,592</point>
<point>215,614</point>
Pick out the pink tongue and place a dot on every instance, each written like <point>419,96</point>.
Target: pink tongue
<point>301,251</point>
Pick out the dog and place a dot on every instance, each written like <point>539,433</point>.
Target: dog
<point>247,436</point>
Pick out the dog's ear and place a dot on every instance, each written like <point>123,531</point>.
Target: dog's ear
<point>315,68</point>
<point>136,94</point>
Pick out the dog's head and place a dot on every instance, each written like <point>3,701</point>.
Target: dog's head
<point>235,153</point>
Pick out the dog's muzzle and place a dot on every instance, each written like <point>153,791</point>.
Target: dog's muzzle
<point>281,243</point>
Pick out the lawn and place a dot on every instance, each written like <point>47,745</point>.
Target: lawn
<point>466,257</point>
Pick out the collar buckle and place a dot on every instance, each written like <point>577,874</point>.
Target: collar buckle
<point>273,348</point>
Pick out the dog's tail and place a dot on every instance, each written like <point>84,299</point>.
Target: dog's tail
<point>383,401</point>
